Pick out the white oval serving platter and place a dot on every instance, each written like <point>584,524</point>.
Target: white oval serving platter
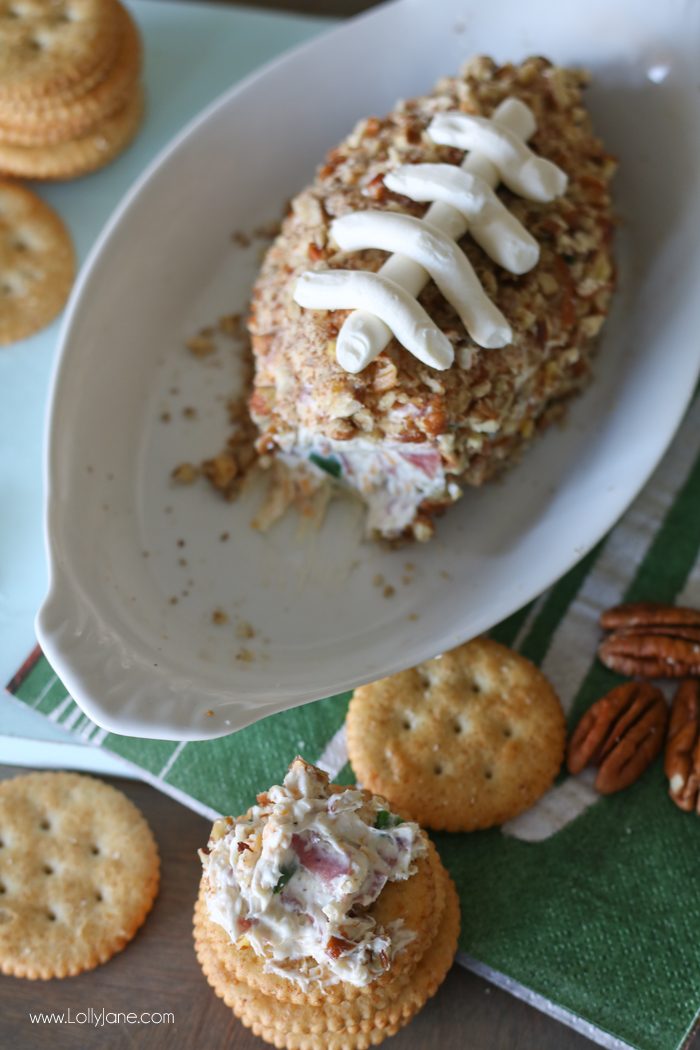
<point>138,567</point>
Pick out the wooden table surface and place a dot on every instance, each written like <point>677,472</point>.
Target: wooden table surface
<point>158,972</point>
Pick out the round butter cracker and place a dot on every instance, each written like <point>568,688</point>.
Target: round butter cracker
<point>37,263</point>
<point>79,872</point>
<point>464,741</point>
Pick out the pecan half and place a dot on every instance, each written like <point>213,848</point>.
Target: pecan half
<point>648,614</point>
<point>652,652</point>
<point>689,632</point>
<point>682,757</point>
<point>621,734</point>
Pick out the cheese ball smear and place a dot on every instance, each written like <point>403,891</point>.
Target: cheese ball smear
<point>297,875</point>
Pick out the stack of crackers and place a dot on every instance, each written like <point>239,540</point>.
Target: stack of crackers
<point>70,94</point>
<point>70,101</point>
<point>341,1016</point>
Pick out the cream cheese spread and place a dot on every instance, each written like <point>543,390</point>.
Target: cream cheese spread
<point>392,478</point>
<point>297,874</point>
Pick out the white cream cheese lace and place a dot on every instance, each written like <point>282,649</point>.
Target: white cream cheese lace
<point>500,234</point>
<point>462,198</point>
<point>439,256</point>
<point>388,301</point>
<point>522,171</point>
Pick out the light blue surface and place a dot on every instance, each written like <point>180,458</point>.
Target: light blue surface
<point>192,54</point>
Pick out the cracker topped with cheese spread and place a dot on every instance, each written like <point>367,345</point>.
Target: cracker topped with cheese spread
<point>320,907</point>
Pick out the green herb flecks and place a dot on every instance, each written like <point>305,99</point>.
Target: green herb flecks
<point>385,819</point>
<point>328,463</point>
<point>285,876</point>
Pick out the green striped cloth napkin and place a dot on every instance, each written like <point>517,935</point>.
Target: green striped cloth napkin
<point>587,906</point>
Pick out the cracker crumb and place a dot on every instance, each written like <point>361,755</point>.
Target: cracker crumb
<point>224,537</point>
<point>165,417</point>
<point>378,580</point>
<point>210,713</point>
<point>185,474</point>
<point>268,230</point>
<point>241,239</point>
<point>412,616</point>
<point>389,591</point>
<point>232,325</point>
<point>245,656</point>
<point>233,465</point>
<point>219,616</point>
<point>202,344</point>
<point>181,543</point>
<point>245,630</point>
<point>182,562</point>
<point>228,470</point>
<point>173,600</point>
<point>221,470</point>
